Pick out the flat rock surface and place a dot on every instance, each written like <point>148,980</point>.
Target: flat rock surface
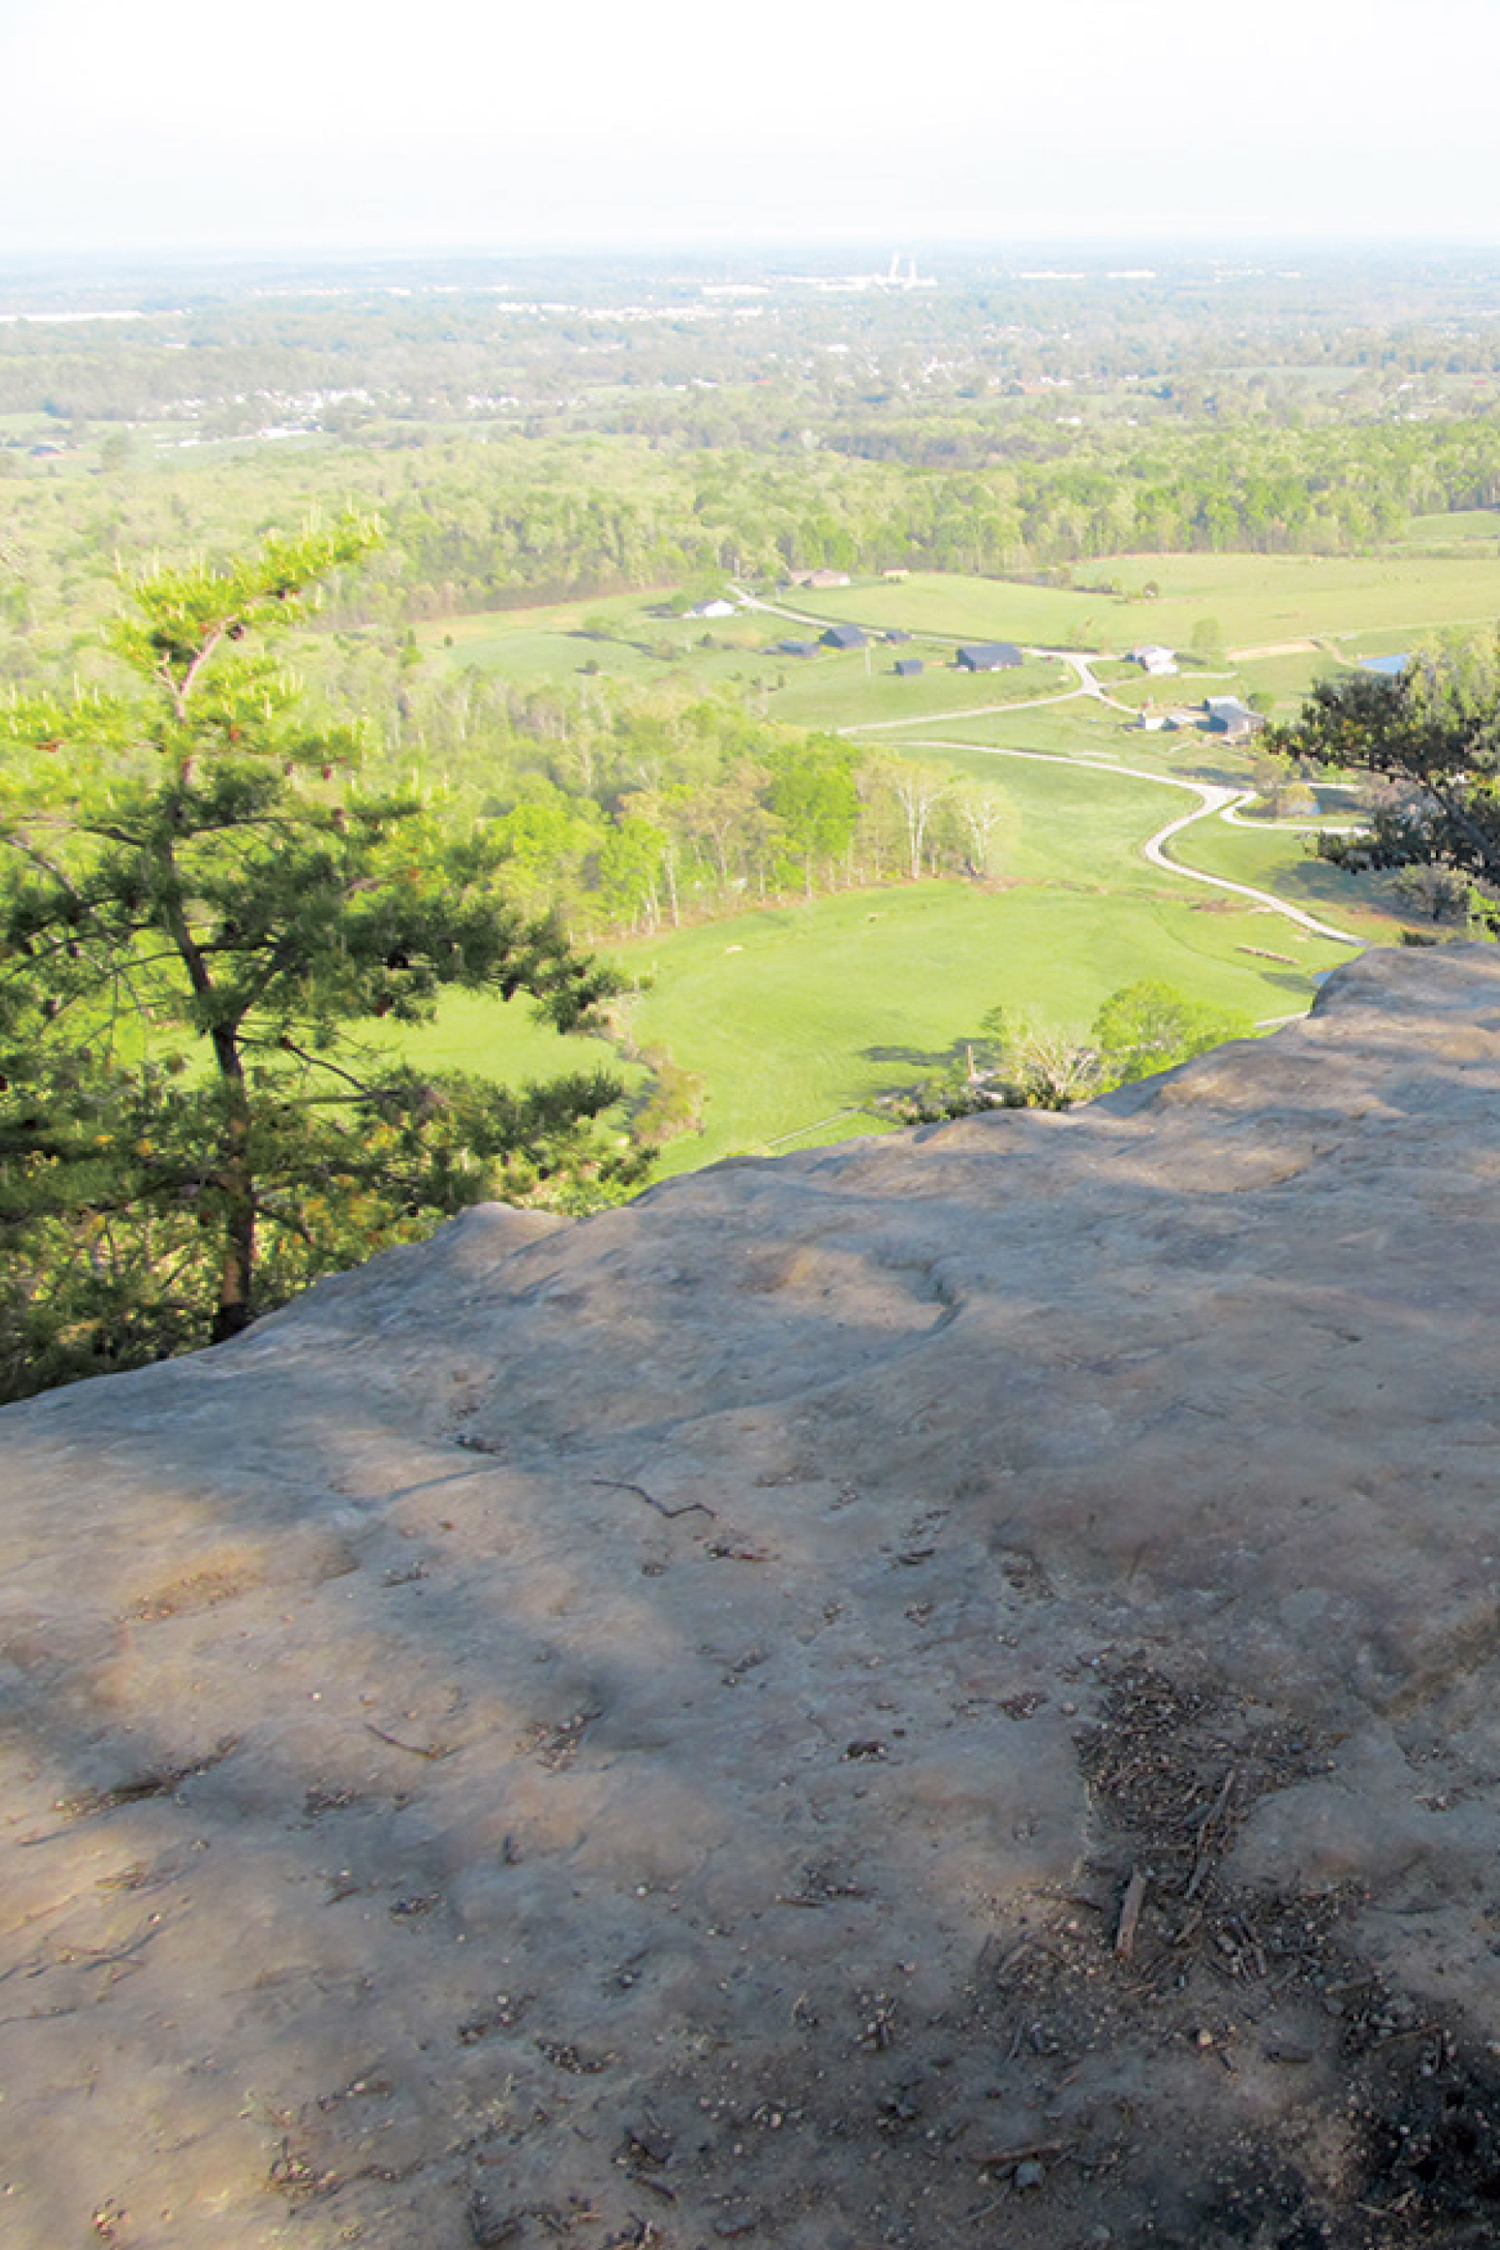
<point>943,1691</point>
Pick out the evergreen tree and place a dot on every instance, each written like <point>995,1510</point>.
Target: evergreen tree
<point>203,917</point>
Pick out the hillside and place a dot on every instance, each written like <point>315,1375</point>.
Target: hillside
<point>941,1691</point>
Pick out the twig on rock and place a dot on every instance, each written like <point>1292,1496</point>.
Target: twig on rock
<point>689,1507</point>
<point>1130,1914</point>
<point>415,1749</point>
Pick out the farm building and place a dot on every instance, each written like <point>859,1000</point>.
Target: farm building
<point>818,578</point>
<point>1155,659</point>
<point>794,648</point>
<point>988,656</point>
<point>845,636</point>
<point>894,634</point>
<point>1225,714</point>
<point>907,667</point>
<point>718,607</point>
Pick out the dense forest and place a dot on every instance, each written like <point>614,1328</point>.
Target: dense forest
<point>530,433</point>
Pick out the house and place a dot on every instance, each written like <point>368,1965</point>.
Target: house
<point>820,578</point>
<point>989,656</point>
<point>894,634</point>
<point>718,607</point>
<point>1154,659</point>
<point>845,636</point>
<point>794,648</point>
<point>907,667</point>
<point>1225,714</point>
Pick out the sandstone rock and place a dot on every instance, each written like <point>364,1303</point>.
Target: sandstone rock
<point>641,1727</point>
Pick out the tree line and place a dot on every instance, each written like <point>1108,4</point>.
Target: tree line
<point>472,526</point>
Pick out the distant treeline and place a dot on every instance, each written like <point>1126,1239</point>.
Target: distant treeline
<point>476,525</point>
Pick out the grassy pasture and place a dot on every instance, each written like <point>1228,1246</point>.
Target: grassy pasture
<point>1281,860</point>
<point>624,637</point>
<point>1257,600</point>
<point>960,609</point>
<point>836,690</point>
<point>797,1016</point>
<point>794,1017</point>
<point>1465,529</point>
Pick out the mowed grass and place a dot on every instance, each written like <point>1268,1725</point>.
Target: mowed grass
<point>797,1016</point>
<point>1282,860</point>
<point>1256,600</point>
<point>955,608</point>
<point>839,690</point>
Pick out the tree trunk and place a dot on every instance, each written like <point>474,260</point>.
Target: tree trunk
<point>237,1264</point>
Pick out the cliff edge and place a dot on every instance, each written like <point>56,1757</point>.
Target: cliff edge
<point>940,1691</point>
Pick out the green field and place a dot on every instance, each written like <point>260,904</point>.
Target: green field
<point>1259,601</point>
<point>841,691</point>
<point>796,1017</point>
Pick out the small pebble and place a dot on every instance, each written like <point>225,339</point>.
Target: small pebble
<point>1030,2174</point>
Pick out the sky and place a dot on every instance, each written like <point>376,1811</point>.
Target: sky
<point>146,127</point>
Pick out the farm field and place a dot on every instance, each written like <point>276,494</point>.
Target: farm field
<point>1287,620</point>
<point>794,1018</point>
<point>629,637</point>
<point>1257,600</point>
<point>838,691</point>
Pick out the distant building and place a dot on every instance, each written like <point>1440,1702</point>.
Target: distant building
<point>823,579</point>
<point>907,667</point>
<point>1225,714</point>
<point>1152,658</point>
<point>794,648</point>
<point>845,636</point>
<point>897,574</point>
<point>894,635</point>
<point>716,608</point>
<point>989,656</point>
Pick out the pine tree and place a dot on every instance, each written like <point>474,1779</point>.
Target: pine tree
<point>205,913</point>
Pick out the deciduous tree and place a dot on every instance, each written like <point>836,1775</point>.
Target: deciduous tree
<point>1432,735</point>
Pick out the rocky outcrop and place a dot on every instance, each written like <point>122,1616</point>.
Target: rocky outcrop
<point>941,1690</point>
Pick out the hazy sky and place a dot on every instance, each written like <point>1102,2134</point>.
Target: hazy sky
<point>142,125</point>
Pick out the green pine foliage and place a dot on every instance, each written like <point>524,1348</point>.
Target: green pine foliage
<point>205,911</point>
